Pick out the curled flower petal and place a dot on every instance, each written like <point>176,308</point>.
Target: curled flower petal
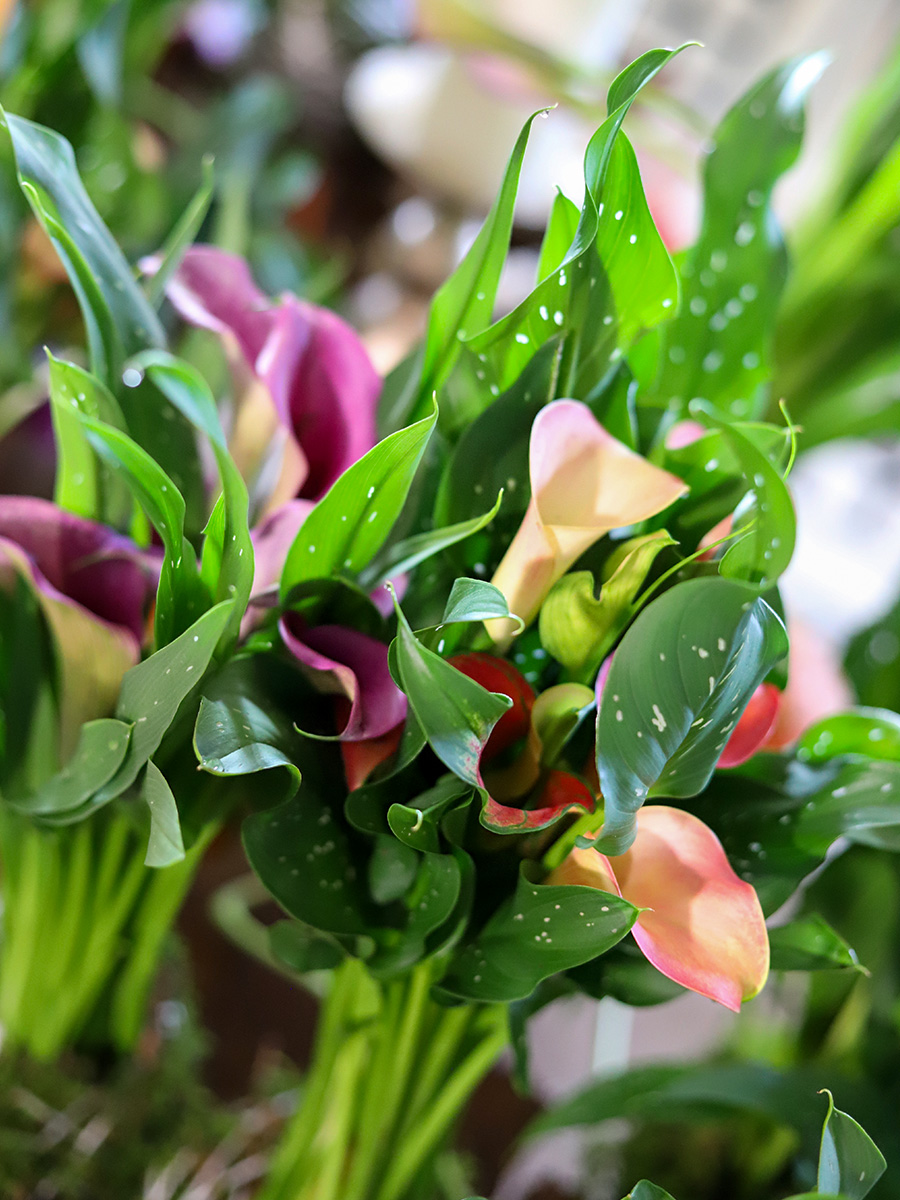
<point>583,484</point>
<point>343,662</point>
<point>361,758</point>
<point>92,654</point>
<point>560,793</point>
<point>96,567</point>
<point>314,366</point>
<point>754,727</point>
<point>702,926</point>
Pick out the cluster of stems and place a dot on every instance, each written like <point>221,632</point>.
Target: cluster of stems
<point>84,925</point>
<point>390,1075</point>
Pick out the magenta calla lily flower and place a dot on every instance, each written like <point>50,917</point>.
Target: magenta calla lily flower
<point>312,363</point>
<point>28,456</point>
<point>584,483</point>
<point>94,588</point>
<point>352,665</point>
<point>701,925</point>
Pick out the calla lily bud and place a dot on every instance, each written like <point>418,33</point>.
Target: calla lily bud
<point>702,926</point>
<point>584,483</point>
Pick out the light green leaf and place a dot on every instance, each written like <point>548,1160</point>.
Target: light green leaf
<point>186,389</point>
<point>476,600</point>
<point>182,235</point>
<point>849,1161</point>
<point>411,551</point>
<point>101,749</point>
<point>579,629</point>
<point>165,845</point>
<point>645,1190</point>
<point>118,319</point>
<point>153,691</point>
<point>679,681</point>
<point>350,523</point>
<point>810,944</point>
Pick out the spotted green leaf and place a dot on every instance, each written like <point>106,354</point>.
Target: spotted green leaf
<point>539,931</point>
<point>165,845</point>
<point>719,346</point>
<point>849,1161</point>
<point>101,748</point>
<point>679,681</point>
<point>350,523</point>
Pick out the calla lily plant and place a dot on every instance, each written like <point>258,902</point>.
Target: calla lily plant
<point>483,692</point>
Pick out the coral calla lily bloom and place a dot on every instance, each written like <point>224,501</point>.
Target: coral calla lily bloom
<point>583,484</point>
<point>702,926</point>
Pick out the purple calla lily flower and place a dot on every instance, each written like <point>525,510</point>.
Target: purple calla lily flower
<point>94,588</point>
<point>313,364</point>
<point>99,569</point>
<point>353,665</point>
<point>28,455</point>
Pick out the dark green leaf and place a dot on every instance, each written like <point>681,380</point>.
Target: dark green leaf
<point>456,713</point>
<point>392,869</point>
<point>301,949</point>
<point>541,930</point>
<point>679,681</point>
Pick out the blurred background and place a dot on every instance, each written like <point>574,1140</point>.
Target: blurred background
<point>357,146</point>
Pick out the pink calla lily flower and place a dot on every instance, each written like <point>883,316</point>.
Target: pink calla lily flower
<point>313,365</point>
<point>28,455</point>
<point>583,484</point>
<point>702,926</point>
<point>94,588</point>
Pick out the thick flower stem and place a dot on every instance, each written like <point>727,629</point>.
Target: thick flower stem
<point>84,924</point>
<point>390,1075</point>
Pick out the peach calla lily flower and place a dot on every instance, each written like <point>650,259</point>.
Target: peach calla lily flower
<point>583,484</point>
<point>702,926</point>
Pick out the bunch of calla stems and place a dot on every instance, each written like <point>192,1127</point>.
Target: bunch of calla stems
<point>490,656</point>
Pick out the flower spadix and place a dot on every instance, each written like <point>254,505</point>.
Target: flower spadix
<point>702,926</point>
<point>583,484</point>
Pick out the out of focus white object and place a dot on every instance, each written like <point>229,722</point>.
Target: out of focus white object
<point>424,110</point>
<point>221,30</point>
<point>846,569</point>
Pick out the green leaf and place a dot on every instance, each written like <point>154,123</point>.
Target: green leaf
<point>476,600</point>
<point>83,485</point>
<point>118,319</point>
<point>456,713</point>
<point>679,681</point>
<point>180,596</point>
<point>463,304</point>
<point>849,1161</point>
<point>344,531</point>
<point>182,235</point>
<point>810,944</point>
<point>392,869</point>
<point>719,346</point>
<point>153,691</point>
<point>301,949</point>
<point>431,905</point>
<point>541,930</point>
<point>872,659</point>
<point>301,852</point>
<point>165,845</point>
<point>645,1190</point>
<point>243,724</point>
<point>408,553</point>
<point>579,629</point>
<point>562,225</point>
<point>186,389</point>
<point>762,554</point>
<point>871,732</point>
<point>101,748</point>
